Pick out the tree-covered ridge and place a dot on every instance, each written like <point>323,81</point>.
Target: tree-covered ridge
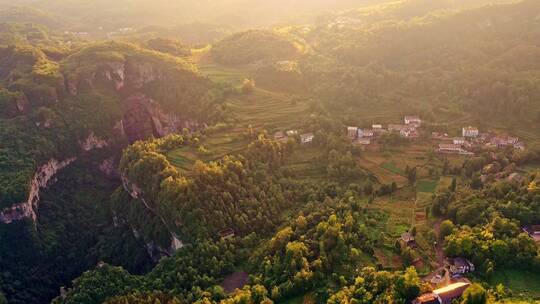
<point>171,81</point>
<point>403,10</point>
<point>322,248</point>
<point>491,214</point>
<point>50,106</point>
<point>479,61</point>
<point>235,192</point>
<point>168,46</point>
<point>255,46</point>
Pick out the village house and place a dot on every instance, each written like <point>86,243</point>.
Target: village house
<point>226,234</point>
<point>279,135</point>
<point>408,240</point>
<point>427,298</point>
<point>445,295</point>
<point>533,231</point>
<point>484,137</point>
<point>307,138</point>
<point>508,141</point>
<point>519,146</point>
<point>409,133</point>
<point>377,129</point>
<point>413,120</point>
<point>458,140</point>
<point>470,132</point>
<point>452,149</point>
<point>362,141</point>
<point>360,133</point>
<point>352,132</point>
<point>292,133</point>
<point>460,266</point>
<point>368,133</point>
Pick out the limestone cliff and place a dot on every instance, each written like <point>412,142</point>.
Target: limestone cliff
<point>150,96</point>
<point>142,115</point>
<point>155,251</point>
<point>43,178</point>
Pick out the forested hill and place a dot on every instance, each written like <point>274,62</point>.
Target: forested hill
<point>139,167</point>
<point>67,102</point>
<point>480,61</point>
<point>256,46</point>
<point>88,15</point>
<point>76,103</point>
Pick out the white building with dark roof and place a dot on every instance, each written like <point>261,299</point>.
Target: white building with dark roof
<point>470,132</point>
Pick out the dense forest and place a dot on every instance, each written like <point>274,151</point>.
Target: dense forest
<point>217,151</point>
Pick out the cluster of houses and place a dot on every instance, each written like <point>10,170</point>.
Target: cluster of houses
<point>455,267</point>
<point>447,294</point>
<point>409,129</point>
<point>472,138</point>
<point>283,137</point>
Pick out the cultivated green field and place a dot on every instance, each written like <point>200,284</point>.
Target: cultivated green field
<point>221,74</point>
<point>522,283</point>
<point>427,185</point>
<point>261,110</point>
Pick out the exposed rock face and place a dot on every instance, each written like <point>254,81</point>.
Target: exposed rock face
<point>45,175</point>
<point>139,74</point>
<point>143,117</point>
<point>116,74</point>
<point>93,142</point>
<point>154,251</point>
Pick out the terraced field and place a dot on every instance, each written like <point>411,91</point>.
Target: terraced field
<point>224,75</point>
<point>261,110</point>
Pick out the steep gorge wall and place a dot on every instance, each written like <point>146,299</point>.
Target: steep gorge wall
<point>142,117</point>
<point>43,178</point>
<point>155,251</point>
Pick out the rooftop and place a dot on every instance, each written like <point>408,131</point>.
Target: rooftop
<point>451,291</point>
<point>428,298</point>
<point>407,237</point>
<point>461,262</point>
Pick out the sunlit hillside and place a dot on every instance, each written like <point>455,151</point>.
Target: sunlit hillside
<point>259,152</point>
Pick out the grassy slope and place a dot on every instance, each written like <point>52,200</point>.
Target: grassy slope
<point>272,111</point>
<point>261,110</point>
<point>523,284</point>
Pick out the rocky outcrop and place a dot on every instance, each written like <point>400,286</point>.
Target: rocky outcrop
<point>43,178</point>
<point>128,75</point>
<point>93,142</point>
<point>143,117</point>
<point>154,251</point>
<point>140,74</point>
